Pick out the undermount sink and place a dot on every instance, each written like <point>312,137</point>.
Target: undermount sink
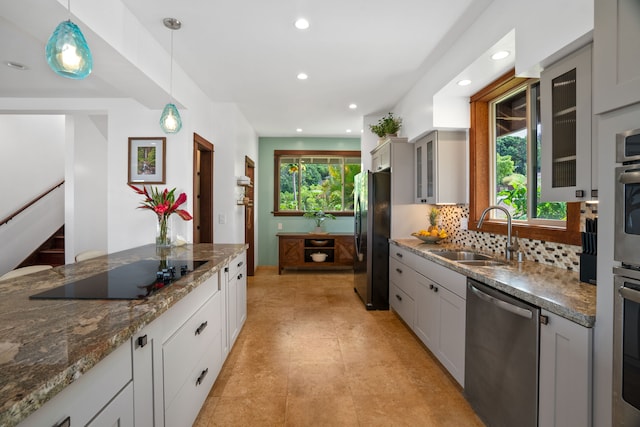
<point>462,255</point>
<point>482,263</point>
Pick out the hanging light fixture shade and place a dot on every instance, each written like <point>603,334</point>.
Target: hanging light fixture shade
<point>68,53</point>
<point>170,120</point>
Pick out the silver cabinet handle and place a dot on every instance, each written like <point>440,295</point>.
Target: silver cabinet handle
<point>522,312</point>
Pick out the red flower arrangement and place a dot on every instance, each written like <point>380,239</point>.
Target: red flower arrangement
<point>163,203</point>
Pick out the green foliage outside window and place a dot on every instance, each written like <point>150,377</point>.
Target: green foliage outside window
<point>317,183</point>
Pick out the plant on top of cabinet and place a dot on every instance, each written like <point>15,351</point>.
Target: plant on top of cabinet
<point>387,126</point>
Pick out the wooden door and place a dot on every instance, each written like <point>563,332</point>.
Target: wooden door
<point>249,215</point>
<point>202,190</point>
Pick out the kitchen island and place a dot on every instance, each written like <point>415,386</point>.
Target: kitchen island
<point>46,345</point>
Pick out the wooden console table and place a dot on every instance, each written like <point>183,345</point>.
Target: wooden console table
<point>295,249</point>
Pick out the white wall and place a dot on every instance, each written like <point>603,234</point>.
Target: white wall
<point>31,159</point>
<point>540,32</point>
<point>86,192</point>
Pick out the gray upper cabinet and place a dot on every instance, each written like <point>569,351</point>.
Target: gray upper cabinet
<point>616,60</point>
<point>565,103</point>
<point>440,165</point>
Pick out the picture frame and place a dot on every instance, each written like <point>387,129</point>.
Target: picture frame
<point>147,160</point>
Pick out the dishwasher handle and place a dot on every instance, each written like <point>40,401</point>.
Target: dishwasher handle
<point>522,312</point>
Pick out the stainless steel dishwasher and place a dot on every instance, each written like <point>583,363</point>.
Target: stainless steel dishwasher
<point>501,357</point>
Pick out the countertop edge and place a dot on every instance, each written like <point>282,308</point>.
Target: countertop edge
<point>575,316</point>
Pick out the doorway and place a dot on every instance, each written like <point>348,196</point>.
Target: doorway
<point>249,214</point>
<point>202,190</point>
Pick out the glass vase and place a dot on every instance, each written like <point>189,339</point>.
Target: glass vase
<point>163,232</point>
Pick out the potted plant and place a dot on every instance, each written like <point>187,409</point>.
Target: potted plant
<point>388,125</point>
<point>319,217</point>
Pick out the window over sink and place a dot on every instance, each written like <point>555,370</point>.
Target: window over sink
<point>496,132</point>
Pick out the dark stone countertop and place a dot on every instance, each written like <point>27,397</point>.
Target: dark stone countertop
<point>554,289</point>
<point>46,344</point>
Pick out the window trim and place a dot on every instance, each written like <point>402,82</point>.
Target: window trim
<point>480,167</point>
<point>277,154</point>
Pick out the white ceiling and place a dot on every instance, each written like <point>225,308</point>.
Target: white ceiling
<point>248,52</point>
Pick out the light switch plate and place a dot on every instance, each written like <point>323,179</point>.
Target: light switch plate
<point>464,223</point>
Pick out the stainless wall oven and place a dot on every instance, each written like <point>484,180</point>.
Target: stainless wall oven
<point>627,211</point>
<point>626,348</point>
<point>626,333</point>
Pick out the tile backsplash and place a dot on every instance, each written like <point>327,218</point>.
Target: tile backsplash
<point>551,253</point>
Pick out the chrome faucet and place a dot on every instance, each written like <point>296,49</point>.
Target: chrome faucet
<point>510,247</point>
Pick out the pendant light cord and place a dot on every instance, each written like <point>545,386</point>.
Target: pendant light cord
<point>171,71</point>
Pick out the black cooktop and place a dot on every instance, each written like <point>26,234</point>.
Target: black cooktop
<point>137,280</point>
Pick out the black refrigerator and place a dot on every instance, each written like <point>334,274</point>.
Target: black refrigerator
<point>372,201</point>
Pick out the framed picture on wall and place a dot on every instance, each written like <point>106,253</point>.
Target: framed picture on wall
<point>147,160</point>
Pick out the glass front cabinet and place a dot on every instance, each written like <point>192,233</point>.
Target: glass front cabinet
<point>565,101</point>
<point>440,167</point>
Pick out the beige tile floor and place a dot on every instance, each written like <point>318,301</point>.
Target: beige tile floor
<point>311,355</point>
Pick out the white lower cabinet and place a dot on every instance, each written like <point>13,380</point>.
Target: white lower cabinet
<point>440,319</point>
<point>234,278</point>
<point>431,299</point>
<point>565,398</point>
<point>101,396</point>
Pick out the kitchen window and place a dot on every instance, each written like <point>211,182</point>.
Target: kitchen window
<point>515,147</point>
<point>314,180</point>
<point>505,163</point>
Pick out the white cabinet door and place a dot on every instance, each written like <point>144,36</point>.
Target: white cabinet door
<point>565,103</point>
<point>565,373</point>
<point>381,157</point>
<point>440,165</point>
<point>241,277</point>
<point>147,375</point>
<point>426,326</point>
<point>452,315</point>
<point>615,53</point>
<point>119,412</point>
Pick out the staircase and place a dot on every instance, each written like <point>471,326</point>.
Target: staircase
<point>51,252</point>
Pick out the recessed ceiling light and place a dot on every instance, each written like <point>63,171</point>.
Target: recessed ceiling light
<point>348,130</point>
<point>501,54</point>
<point>298,130</point>
<point>353,106</point>
<point>301,24</point>
<point>465,82</point>
<point>16,66</point>
<point>302,76</point>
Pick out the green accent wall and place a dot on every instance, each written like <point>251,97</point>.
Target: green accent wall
<point>267,222</point>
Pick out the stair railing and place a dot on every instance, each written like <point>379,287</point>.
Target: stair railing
<point>32,202</point>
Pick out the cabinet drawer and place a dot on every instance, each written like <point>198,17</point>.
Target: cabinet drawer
<point>452,280</point>
<point>182,351</point>
<point>81,400</point>
<point>398,253</point>
<point>402,304</point>
<point>237,263</point>
<point>194,390</point>
<point>402,276</point>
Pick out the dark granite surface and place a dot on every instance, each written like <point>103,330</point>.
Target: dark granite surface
<point>46,344</point>
<point>554,289</point>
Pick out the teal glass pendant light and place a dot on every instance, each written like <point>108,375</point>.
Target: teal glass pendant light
<point>170,120</point>
<point>67,51</point>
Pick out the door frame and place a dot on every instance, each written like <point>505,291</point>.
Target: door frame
<point>250,215</point>
<point>204,215</point>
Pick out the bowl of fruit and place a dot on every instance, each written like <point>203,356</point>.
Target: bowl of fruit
<point>431,236</point>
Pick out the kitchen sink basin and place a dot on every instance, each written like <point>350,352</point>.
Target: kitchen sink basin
<point>463,256</point>
<point>482,262</point>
